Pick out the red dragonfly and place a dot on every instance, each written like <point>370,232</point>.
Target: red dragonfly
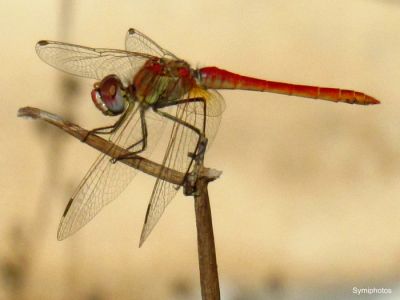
<point>147,87</point>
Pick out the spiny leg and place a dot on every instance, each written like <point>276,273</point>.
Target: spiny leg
<point>198,154</point>
<point>108,129</point>
<point>183,101</point>
<point>142,141</point>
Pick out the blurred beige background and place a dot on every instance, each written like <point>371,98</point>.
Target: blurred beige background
<point>308,205</point>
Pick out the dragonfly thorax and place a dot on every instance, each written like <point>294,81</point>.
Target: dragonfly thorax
<point>163,79</point>
<point>110,96</point>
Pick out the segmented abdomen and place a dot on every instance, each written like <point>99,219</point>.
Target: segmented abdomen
<point>215,78</point>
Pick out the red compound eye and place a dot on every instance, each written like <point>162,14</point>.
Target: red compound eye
<point>108,95</point>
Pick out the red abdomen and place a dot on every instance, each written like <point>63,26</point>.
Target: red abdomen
<point>215,78</point>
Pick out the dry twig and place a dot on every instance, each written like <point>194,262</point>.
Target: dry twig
<point>205,236</point>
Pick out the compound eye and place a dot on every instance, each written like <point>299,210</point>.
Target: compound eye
<point>109,96</point>
<point>98,101</point>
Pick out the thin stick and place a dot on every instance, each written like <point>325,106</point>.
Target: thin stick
<point>140,163</point>
<point>205,235</point>
<point>205,243</point>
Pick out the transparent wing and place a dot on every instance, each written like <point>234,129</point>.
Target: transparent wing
<point>91,62</point>
<point>214,109</point>
<point>106,180</point>
<point>139,42</point>
<point>182,140</point>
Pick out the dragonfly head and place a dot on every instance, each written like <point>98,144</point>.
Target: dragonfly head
<point>110,96</point>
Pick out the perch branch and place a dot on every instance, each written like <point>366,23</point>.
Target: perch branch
<point>205,243</point>
<point>205,236</point>
<point>104,146</point>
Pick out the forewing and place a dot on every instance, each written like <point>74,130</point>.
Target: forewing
<point>106,180</point>
<point>182,141</point>
<point>139,42</point>
<point>91,62</point>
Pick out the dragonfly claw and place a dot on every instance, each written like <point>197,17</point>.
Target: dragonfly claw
<point>189,186</point>
<point>191,178</point>
<point>92,132</point>
<point>86,136</point>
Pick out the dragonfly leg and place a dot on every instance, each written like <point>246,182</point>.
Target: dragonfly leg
<point>142,141</point>
<point>183,101</point>
<point>108,129</point>
<point>199,132</point>
<point>198,154</point>
<point>189,183</point>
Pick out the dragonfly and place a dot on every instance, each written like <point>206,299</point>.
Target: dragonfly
<point>148,87</point>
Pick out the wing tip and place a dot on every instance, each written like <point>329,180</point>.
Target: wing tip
<point>60,235</point>
<point>42,43</point>
<point>144,235</point>
<point>140,243</point>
